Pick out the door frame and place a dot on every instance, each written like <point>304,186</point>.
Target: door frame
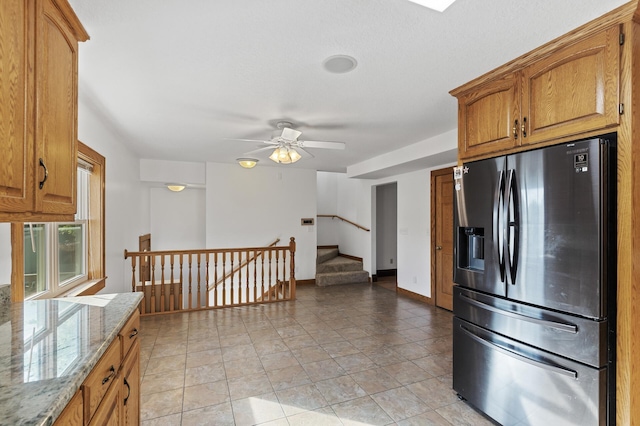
<point>434,174</point>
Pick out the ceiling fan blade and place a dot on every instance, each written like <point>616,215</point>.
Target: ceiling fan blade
<point>290,134</point>
<point>304,152</point>
<point>321,144</point>
<point>255,151</point>
<point>252,140</point>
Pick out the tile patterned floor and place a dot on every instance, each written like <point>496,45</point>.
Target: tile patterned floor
<point>342,355</point>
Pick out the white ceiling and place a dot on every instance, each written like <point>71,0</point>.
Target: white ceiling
<point>176,78</point>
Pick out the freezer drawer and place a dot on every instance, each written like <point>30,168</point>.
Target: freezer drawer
<point>577,338</point>
<point>516,384</point>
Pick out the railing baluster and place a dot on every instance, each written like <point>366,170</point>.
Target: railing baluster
<point>181,298</point>
<point>172,302</point>
<point>162,307</point>
<point>206,280</point>
<point>215,279</point>
<point>199,304</point>
<point>224,282</point>
<point>270,277</point>
<point>153,287</point>
<point>263,259</point>
<point>190,282</point>
<point>255,276</point>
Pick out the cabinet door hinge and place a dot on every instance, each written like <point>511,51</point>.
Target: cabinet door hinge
<point>621,39</point>
<point>621,109</point>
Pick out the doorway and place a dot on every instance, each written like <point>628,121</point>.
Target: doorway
<point>442,193</point>
<point>386,235</point>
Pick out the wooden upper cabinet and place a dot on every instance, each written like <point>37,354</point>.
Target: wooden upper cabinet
<point>16,182</point>
<point>38,109</point>
<point>573,90</point>
<point>486,117</point>
<point>568,91</point>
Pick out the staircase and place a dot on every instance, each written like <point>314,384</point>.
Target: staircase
<point>333,269</point>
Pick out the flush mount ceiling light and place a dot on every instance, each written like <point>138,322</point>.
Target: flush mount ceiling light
<point>438,5</point>
<point>175,187</point>
<point>285,155</point>
<point>247,163</point>
<point>340,64</point>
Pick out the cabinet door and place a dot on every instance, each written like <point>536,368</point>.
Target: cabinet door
<point>16,176</point>
<point>56,75</point>
<point>110,409</point>
<point>131,386</point>
<point>487,116</point>
<point>573,90</point>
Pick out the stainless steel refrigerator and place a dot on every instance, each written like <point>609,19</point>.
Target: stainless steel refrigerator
<point>535,294</point>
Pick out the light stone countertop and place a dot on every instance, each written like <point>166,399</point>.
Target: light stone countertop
<point>48,347</point>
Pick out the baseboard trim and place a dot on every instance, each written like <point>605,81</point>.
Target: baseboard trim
<point>306,282</point>
<point>415,296</point>
<point>387,272</point>
<point>327,247</point>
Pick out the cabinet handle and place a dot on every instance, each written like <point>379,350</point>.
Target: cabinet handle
<point>128,391</point>
<point>133,333</point>
<point>515,129</point>
<point>46,173</point>
<point>524,127</point>
<point>110,376</point>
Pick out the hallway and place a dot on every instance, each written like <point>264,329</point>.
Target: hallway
<point>341,355</point>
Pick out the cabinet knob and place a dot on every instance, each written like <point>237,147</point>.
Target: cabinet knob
<point>438,247</point>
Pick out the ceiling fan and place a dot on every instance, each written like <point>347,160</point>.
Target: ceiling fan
<point>286,145</point>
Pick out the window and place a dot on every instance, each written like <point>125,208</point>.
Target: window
<point>64,257</point>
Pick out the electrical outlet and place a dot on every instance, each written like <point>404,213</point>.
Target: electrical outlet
<point>391,261</point>
<point>415,280</point>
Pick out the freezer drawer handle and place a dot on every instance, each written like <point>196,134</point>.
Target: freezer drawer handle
<point>571,328</point>
<point>552,368</point>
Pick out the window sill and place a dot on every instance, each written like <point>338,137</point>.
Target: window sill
<point>87,288</point>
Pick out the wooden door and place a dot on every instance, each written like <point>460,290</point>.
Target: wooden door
<point>144,244</point>
<point>573,90</point>
<point>487,116</point>
<point>442,237</point>
<point>56,75</point>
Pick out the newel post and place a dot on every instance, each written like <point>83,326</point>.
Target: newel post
<point>292,275</point>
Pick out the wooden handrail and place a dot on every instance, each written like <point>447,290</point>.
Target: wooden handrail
<point>335,216</point>
<point>240,266</point>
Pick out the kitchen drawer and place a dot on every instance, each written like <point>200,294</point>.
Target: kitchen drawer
<point>130,333</point>
<point>100,379</point>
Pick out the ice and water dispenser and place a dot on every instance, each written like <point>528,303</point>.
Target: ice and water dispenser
<point>471,248</point>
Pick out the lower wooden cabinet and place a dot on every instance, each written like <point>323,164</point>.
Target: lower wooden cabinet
<point>73,413</point>
<point>110,394</point>
<point>130,386</point>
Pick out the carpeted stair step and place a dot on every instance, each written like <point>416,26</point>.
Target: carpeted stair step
<point>339,264</point>
<point>326,254</point>
<point>335,278</point>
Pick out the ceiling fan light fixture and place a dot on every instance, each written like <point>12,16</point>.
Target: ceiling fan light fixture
<point>284,155</point>
<point>247,163</point>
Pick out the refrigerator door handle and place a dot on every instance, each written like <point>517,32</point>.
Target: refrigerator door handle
<point>498,224</point>
<point>554,368</point>
<point>570,328</point>
<point>511,227</point>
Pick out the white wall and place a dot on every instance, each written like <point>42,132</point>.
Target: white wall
<point>5,253</point>
<point>252,207</point>
<point>177,219</point>
<point>127,206</point>
<point>327,190</point>
<point>386,220</point>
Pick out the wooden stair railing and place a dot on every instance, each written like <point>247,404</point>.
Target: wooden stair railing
<point>213,278</point>
<point>237,268</point>
<point>335,216</point>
